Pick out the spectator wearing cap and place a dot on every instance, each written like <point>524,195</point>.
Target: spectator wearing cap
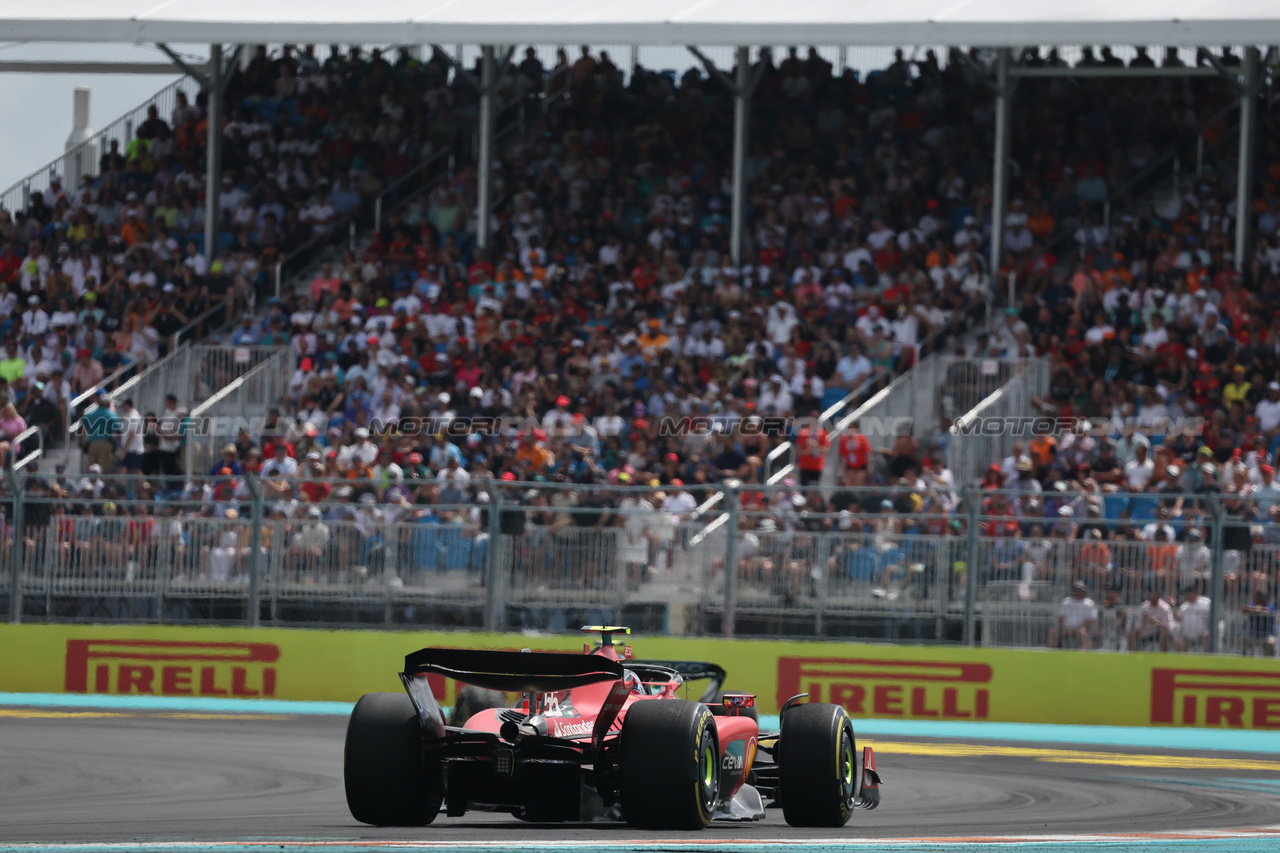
<point>582,436</point>
<point>101,428</point>
<point>1022,478</point>
<point>363,450</point>
<point>1266,494</point>
<point>1191,561</point>
<point>1268,413</point>
<point>87,372</point>
<point>35,321</point>
<point>532,457</point>
<point>558,421</point>
<point>245,334</point>
<point>776,398</point>
<point>280,462</point>
<point>440,452</point>
<point>679,503</point>
<point>228,465</point>
<point>92,483</point>
<point>250,457</point>
<point>310,544</point>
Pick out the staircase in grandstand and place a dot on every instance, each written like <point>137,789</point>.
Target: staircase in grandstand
<point>925,402</point>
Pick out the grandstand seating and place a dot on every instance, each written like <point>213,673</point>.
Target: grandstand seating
<point>605,309</point>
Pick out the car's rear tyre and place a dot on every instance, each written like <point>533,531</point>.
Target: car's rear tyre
<point>817,765</point>
<point>670,765</point>
<point>719,710</point>
<point>386,781</point>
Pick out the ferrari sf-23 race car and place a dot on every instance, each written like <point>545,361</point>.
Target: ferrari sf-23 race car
<point>597,736</point>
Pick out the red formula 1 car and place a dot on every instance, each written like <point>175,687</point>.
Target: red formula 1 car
<point>596,736</point>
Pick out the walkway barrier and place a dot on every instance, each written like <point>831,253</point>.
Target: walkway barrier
<point>251,381</point>
<point>915,403</point>
<point>996,398</point>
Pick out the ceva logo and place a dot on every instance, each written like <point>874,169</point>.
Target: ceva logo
<point>1236,699</point>
<point>164,668</point>
<point>890,688</point>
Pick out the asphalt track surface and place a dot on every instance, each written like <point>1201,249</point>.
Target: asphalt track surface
<point>83,777</point>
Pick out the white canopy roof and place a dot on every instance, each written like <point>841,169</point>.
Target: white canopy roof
<point>994,23</point>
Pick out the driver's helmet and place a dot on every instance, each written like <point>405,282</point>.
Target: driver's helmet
<point>633,682</point>
<point>639,688</point>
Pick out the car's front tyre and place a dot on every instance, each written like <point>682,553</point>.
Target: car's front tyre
<point>817,765</point>
<point>670,765</point>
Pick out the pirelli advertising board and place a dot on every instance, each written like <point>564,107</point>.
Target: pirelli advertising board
<point>904,682</point>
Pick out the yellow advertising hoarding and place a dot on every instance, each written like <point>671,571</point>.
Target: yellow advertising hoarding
<point>906,682</point>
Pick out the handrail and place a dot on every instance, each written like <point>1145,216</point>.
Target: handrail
<point>706,506</point>
<point>720,521</point>
<point>191,325</point>
<point>877,375</point>
<point>102,383</point>
<point>77,402</point>
<point>134,380</point>
<point>33,455</point>
<point>327,237</point>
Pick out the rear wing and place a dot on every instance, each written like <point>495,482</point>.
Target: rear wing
<point>513,672</point>
<point>691,670</point>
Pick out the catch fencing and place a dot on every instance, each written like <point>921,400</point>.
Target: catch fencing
<point>918,565</point>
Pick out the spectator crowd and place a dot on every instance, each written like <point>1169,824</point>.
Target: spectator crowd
<point>608,317</point>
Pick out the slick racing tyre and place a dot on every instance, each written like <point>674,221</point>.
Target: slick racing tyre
<point>818,771</point>
<point>386,783</point>
<point>670,765</point>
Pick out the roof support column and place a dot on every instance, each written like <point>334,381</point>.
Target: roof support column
<point>485,159</point>
<point>741,89</point>
<point>1244,168</point>
<point>741,104</point>
<point>1000,176</point>
<point>213,154</point>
